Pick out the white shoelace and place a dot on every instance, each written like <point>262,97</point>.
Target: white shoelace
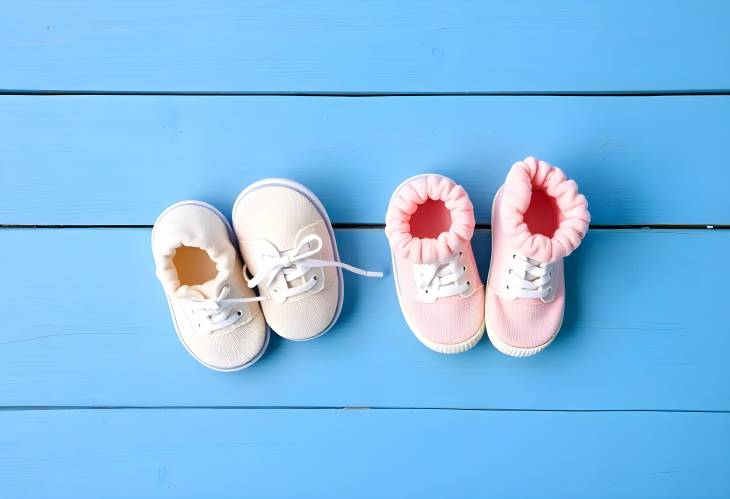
<point>529,278</point>
<point>215,314</point>
<point>296,264</point>
<point>442,279</point>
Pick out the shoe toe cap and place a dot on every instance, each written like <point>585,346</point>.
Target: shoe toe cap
<point>304,318</point>
<point>232,350</point>
<point>447,322</point>
<point>523,323</point>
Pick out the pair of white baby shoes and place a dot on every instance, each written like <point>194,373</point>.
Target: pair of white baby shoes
<point>287,250</point>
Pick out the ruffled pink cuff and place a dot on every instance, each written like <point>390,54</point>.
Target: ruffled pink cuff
<point>574,217</point>
<point>405,202</point>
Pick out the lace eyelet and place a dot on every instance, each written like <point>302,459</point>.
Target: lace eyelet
<point>314,277</point>
<point>468,284</point>
<point>426,291</point>
<point>507,286</point>
<point>239,313</point>
<point>463,268</point>
<point>461,253</point>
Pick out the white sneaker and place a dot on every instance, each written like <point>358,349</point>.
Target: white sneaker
<point>216,315</point>
<point>287,242</point>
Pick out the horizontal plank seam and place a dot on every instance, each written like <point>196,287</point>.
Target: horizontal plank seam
<point>339,408</point>
<point>294,93</point>
<point>349,225</point>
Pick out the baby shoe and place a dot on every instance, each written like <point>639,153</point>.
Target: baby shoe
<point>287,242</point>
<point>215,314</point>
<point>538,218</point>
<point>429,224</point>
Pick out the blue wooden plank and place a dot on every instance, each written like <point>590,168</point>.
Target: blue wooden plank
<point>86,323</point>
<point>122,160</point>
<point>372,46</point>
<point>365,453</point>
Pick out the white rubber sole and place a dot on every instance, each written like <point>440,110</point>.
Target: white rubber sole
<point>451,348</point>
<point>500,345</point>
<point>514,351</point>
<point>296,186</point>
<point>169,302</point>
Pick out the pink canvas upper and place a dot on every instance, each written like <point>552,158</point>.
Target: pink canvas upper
<point>529,322</point>
<point>449,320</point>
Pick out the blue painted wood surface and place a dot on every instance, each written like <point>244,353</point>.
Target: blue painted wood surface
<point>97,397</point>
<point>628,342</point>
<point>363,453</point>
<point>365,46</point>
<point>122,160</point>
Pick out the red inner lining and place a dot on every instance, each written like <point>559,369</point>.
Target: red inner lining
<point>543,215</point>
<point>430,219</point>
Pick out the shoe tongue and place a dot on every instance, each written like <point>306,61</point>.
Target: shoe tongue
<point>206,291</point>
<point>533,247</point>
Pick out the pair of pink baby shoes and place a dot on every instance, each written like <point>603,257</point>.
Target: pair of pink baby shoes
<point>538,218</point>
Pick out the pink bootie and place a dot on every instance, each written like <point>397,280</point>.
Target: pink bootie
<point>429,224</point>
<point>538,218</point>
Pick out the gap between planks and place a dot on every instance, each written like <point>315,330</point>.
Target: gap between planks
<point>295,93</point>
<point>20,408</point>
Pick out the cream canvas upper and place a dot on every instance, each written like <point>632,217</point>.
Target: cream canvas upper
<point>288,244</point>
<point>216,315</point>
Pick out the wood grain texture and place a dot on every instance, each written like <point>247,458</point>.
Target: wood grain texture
<point>99,399</point>
<point>372,46</point>
<point>362,453</point>
<point>90,326</point>
<point>122,160</point>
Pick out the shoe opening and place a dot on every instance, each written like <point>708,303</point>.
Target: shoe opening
<point>542,215</point>
<point>193,266</point>
<point>430,219</point>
